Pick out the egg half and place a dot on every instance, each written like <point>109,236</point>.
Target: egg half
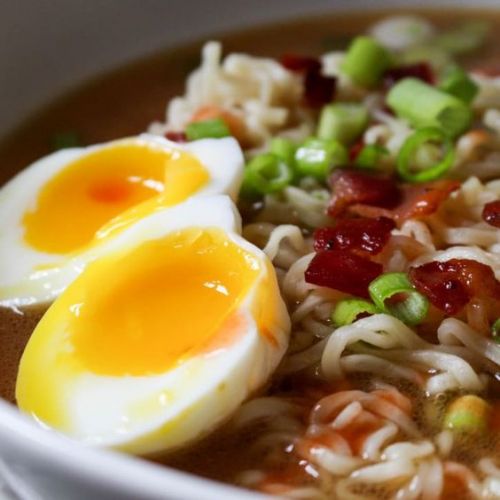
<point>61,210</point>
<point>160,340</point>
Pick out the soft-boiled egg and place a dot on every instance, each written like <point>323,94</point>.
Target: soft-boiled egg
<point>160,340</point>
<point>62,207</point>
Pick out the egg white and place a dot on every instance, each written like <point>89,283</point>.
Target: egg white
<point>29,276</point>
<point>149,414</point>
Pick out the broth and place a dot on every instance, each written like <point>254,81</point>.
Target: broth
<point>100,111</point>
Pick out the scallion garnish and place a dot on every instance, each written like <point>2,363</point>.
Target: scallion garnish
<point>65,140</point>
<point>365,61</point>
<point>284,148</point>
<point>495,331</point>
<point>456,81</point>
<point>437,57</point>
<point>426,106</point>
<point>408,305</point>
<point>465,38</point>
<point>317,157</point>
<point>370,155</point>
<point>347,311</point>
<point>410,148</point>
<point>265,174</point>
<point>342,121</point>
<point>214,128</point>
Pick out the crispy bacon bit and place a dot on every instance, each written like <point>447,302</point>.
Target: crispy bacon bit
<point>418,201</point>
<point>318,89</point>
<point>350,187</point>
<point>362,236</point>
<point>294,62</point>
<point>342,270</point>
<point>424,199</point>
<point>422,71</point>
<point>491,213</point>
<point>176,136</point>
<point>450,285</point>
<point>355,150</point>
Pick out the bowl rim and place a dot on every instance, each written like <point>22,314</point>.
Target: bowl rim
<point>112,470</point>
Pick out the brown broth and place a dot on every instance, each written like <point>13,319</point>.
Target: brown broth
<point>123,103</point>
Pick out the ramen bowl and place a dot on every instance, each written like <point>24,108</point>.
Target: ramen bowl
<point>62,45</point>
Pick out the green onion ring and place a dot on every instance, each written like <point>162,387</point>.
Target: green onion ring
<point>412,310</point>
<point>422,136</point>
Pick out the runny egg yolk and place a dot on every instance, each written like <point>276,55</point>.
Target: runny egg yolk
<point>164,302</point>
<point>96,188</point>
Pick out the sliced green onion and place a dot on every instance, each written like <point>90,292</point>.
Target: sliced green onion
<point>65,140</point>
<point>465,38</point>
<point>426,106</point>
<point>410,148</point>
<point>265,174</point>
<point>467,414</point>
<point>317,157</point>
<point>457,82</point>
<point>495,331</point>
<point>412,309</point>
<point>284,148</point>
<point>365,61</point>
<point>437,57</point>
<point>347,311</point>
<point>215,129</point>
<point>370,155</point>
<point>342,121</point>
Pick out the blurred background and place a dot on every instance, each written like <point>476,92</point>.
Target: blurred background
<point>47,46</point>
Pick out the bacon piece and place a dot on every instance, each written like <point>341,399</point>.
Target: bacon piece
<point>350,187</point>
<point>355,150</point>
<point>342,270</point>
<point>362,236</point>
<point>318,89</point>
<point>176,136</point>
<point>450,285</point>
<point>422,71</point>
<point>418,201</point>
<point>424,199</point>
<point>294,62</point>
<point>491,213</point>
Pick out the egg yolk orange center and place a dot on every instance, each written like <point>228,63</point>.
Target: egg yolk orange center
<point>95,189</point>
<point>163,302</point>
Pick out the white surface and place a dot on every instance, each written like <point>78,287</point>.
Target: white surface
<point>46,46</point>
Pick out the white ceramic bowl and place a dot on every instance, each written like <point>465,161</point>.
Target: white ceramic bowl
<point>49,46</point>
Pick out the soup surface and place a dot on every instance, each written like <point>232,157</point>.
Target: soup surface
<point>289,439</point>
